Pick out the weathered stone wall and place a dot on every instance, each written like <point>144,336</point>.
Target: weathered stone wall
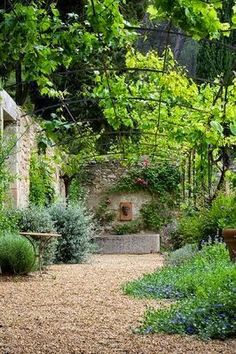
<point>101,177</point>
<point>21,131</point>
<point>137,199</point>
<point>27,143</point>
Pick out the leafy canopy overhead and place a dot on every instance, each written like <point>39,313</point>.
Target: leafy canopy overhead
<point>197,17</point>
<point>146,94</point>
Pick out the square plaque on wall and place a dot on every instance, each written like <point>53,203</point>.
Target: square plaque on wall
<point>126,213</point>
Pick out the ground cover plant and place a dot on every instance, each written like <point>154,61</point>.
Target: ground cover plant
<point>203,289</point>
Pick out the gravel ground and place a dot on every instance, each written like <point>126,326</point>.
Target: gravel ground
<point>81,309</point>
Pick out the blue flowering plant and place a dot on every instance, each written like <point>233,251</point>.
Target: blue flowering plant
<point>201,292</point>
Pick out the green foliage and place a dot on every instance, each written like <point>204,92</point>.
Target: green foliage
<point>182,254</point>
<point>42,191</point>
<point>42,35</point>
<point>194,228</point>
<point>37,219</point>
<point>154,179</point>
<point>115,32</point>
<point>182,122</point>
<point>34,219</point>
<point>198,18</point>
<point>103,215</point>
<point>156,214</point>
<point>205,287</point>
<point>76,227</point>
<point>203,224</point>
<point>37,31</point>
<point>16,254</point>
<point>5,175</point>
<point>76,191</point>
<point>222,58</point>
<point>8,220</point>
<point>186,280</point>
<point>126,228</point>
<point>223,211</point>
<point>213,317</point>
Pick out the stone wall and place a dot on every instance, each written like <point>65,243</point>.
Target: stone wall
<point>21,132</point>
<point>27,143</point>
<point>137,200</point>
<point>101,177</point>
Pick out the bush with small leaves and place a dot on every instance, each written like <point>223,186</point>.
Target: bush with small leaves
<point>182,254</point>
<point>8,220</point>
<point>38,219</point>
<point>75,225</point>
<point>16,254</point>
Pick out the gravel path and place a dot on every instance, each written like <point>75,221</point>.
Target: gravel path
<point>81,309</point>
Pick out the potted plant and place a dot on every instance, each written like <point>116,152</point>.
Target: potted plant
<point>229,235</point>
<point>224,212</point>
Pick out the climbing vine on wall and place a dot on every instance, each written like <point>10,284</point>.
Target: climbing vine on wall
<point>5,175</point>
<point>158,179</point>
<point>42,192</point>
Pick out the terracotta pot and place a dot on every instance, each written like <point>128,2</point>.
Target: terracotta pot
<point>230,240</point>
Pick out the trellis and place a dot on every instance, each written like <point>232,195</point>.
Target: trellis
<point>188,164</point>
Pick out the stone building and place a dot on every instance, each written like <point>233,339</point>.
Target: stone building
<point>20,131</point>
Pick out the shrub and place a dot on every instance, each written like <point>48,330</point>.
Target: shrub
<point>8,220</point>
<point>182,254</point>
<point>76,227</point>
<point>37,219</point>
<point>204,224</point>
<point>155,215</point>
<point>197,227</point>
<point>131,227</point>
<point>223,211</point>
<point>16,254</point>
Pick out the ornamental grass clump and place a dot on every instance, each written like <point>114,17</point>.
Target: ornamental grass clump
<point>16,254</point>
<point>76,227</point>
<point>203,289</point>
